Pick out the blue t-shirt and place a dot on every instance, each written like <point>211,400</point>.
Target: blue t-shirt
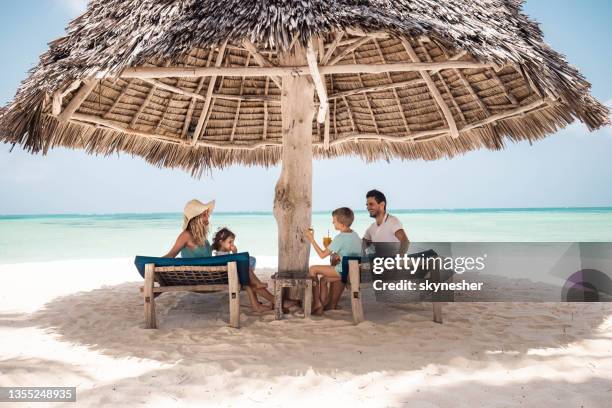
<point>345,244</point>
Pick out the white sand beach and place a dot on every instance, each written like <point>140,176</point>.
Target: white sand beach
<point>80,323</point>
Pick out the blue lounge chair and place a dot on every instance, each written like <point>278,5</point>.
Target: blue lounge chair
<point>211,274</point>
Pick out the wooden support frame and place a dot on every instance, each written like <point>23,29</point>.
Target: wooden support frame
<point>376,88</point>
<point>357,32</point>
<point>395,94</point>
<point>366,97</point>
<point>346,51</point>
<point>319,82</point>
<point>350,113</point>
<point>143,106</point>
<point>86,88</point>
<point>299,281</point>
<point>443,81</point>
<point>173,89</point>
<point>234,294</point>
<point>307,302</point>
<point>507,92</point>
<point>265,107</point>
<point>166,108</point>
<point>433,89</point>
<point>436,305</point>
<point>150,292</point>
<point>261,60</point>
<point>332,47</point>
<point>193,102</point>
<point>149,298</point>
<point>466,84</point>
<point>356,135</point>
<point>118,100</point>
<point>58,97</point>
<point>237,115</point>
<point>196,72</point>
<point>209,91</point>
<point>455,57</point>
<point>355,283</point>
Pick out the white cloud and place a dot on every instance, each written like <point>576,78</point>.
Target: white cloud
<point>73,6</point>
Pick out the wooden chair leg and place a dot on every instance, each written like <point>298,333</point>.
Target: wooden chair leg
<point>436,297</point>
<point>149,298</point>
<point>356,304</point>
<point>234,294</point>
<point>278,300</point>
<point>437,312</point>
<point>307,304</point>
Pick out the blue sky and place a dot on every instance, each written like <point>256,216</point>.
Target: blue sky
<point>571,168</point>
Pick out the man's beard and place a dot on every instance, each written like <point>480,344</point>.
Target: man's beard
<point>373,214</point>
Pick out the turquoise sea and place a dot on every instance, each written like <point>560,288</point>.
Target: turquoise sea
<point>33,238</point>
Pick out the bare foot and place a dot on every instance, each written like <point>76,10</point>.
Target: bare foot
<point>318,311</point>
<point>289,303</point>
<point>259,308</point>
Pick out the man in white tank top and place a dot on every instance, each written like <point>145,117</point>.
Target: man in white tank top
<point>386,228</point>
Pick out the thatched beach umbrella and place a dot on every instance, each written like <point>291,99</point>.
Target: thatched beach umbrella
<point>199,84</point>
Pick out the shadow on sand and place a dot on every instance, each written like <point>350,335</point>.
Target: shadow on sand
<point>193,334</point>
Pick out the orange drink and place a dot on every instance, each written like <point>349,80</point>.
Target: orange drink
<point>326,241</point>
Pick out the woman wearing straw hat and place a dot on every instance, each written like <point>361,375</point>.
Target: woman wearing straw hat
<point>192,242</point>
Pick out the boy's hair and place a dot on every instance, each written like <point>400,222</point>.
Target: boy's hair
<point>378,196</point>
<point>221,235</point>
<point>344,215</point>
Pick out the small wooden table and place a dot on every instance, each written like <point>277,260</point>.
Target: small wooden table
<point>299,280</point>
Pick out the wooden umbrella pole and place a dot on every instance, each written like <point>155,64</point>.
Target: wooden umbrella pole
<point>293,193</point>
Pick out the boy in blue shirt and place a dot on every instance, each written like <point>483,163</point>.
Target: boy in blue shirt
<point>346,243</point>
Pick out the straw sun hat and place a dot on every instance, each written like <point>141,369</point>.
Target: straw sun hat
<point>194,208</point>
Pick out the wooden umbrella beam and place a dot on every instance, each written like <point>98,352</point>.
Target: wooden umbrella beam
<point>332,47</point>
<point>197,72</point>
<point>173,89</point>
<point>346,51</point>
<point>318,82</point>
<point>74,104</point>
<point>209,91</point>
<point>58,96</point>
<point>351,137</point>
<point>192,103</point>
<point>376,88</point>
<point>261,60</point>
<point>143,106</point>
<point>433,89</point>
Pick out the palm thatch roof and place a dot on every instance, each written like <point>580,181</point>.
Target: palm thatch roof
<point>174,81</point>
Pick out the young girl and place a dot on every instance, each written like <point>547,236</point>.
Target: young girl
<point>223,244</point>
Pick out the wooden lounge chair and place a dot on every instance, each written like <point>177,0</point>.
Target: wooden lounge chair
<point>356,279</point>
<point>201,275</point>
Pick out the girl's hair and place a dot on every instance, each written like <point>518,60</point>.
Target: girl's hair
<point>198,230</point>
<point>221,235</point>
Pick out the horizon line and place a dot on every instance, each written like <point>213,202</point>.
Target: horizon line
<point>268,212</point>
